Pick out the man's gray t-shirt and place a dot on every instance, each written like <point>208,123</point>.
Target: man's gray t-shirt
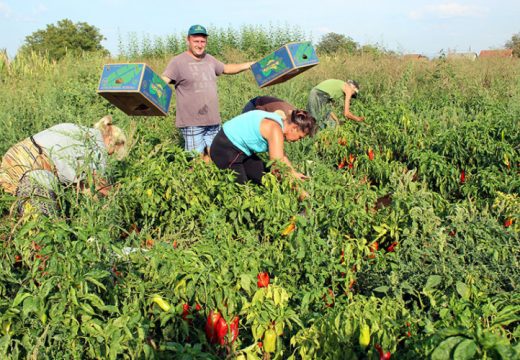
<point>73,150</point>
<point>195,83</point>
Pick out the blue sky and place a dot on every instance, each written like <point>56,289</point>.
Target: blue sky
<point>407,26</point>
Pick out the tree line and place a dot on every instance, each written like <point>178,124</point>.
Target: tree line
<point>56,40</point>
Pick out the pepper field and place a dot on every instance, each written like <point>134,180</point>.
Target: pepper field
<point>431,177</point>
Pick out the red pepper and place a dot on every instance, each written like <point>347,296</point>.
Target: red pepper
<point>508,222</point>
<point>221,330</point>
<point>234,328</point>
<point>263,279</point>
<point>462,177</point>
<point>373,248</point>
<point>211,334</point>
<point>185,311</point>
<point>351,159</point>
<point>370,154</point>
<point>392,246</point>
<point>343,163</point>
<point>382,354</point>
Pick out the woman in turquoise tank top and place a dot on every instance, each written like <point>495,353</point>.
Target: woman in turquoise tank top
<point>241,138</point>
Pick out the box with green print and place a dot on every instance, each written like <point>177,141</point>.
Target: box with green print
<point>284,63</point>
<point>135,89</point>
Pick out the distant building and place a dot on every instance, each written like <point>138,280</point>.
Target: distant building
<point>502,53</point>
<point>462,55</point>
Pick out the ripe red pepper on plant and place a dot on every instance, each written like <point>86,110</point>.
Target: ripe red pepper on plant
<point>462,177</point>
<point>211,322</point>
<point>217,328</point>
<point>508,222</point>
<point>382,354</point>
<point>351,159</point>
<point>185,311</point>
<point>373,248</point>
<point>263,279</point>
<point>343,163</point>
<point>370,153</point>
<point>222,330</point>
<point>392,246</point>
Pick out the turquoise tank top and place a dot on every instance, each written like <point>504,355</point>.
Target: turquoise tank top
<point>244,131</point>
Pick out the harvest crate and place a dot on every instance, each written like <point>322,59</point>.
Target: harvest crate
<point>135,89</point>
<point>285,63</point>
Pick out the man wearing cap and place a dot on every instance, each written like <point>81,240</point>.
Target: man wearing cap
<point>194,75</point>
<point>325,93</point>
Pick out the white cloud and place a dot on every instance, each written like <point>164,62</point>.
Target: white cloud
<point>5,10</point>
<point>36,11</point>
<point>39,9</point>
<point>323,30</point>
<point>448,10</point>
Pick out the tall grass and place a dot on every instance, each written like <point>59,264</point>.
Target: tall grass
<point>251,40</point>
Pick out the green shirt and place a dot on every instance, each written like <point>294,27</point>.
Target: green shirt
<point>333,87</point>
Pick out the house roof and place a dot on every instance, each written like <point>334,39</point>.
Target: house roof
<point>497,53</point>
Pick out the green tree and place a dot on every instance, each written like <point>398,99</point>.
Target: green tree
<point>64,37</point>
<point>332,42</point>
<point>514,44</point>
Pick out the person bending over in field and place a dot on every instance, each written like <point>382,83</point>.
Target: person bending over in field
<point>194,75</point>
<point>62,154</point>
<point>269,104</point>
<point>236,146</point>
<point>323,95</point>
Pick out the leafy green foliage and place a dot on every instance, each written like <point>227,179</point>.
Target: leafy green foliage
<point>331,43</point>
<point>514,43</point>
<point>56,40</point>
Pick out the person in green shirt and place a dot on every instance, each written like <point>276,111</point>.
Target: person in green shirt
<point>323,95</point>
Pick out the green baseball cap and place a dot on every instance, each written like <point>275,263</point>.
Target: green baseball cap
<point>197,30</point>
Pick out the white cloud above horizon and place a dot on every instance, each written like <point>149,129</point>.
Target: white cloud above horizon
<point>5,10</point>
<point>448,10</point>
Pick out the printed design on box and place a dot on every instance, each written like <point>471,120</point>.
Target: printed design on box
<point>155,89</point>
<point>273,65</point>
<point>304,54</point>
<point>122,77</point>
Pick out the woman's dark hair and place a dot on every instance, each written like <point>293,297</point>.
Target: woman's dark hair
<point>305,121</point>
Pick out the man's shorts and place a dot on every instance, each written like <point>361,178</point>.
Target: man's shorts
<point>197,138</point>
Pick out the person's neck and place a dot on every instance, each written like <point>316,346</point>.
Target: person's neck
<point>195,56</point>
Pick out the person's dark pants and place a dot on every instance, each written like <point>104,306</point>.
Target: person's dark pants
<point>250,106</point>
<point>227,156</point>
<point>319,106</point>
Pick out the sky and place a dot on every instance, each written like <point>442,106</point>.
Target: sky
<point>405,26</point>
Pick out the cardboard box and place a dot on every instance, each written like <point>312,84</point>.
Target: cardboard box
<point>285,63</point>
<point>135,89</point>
